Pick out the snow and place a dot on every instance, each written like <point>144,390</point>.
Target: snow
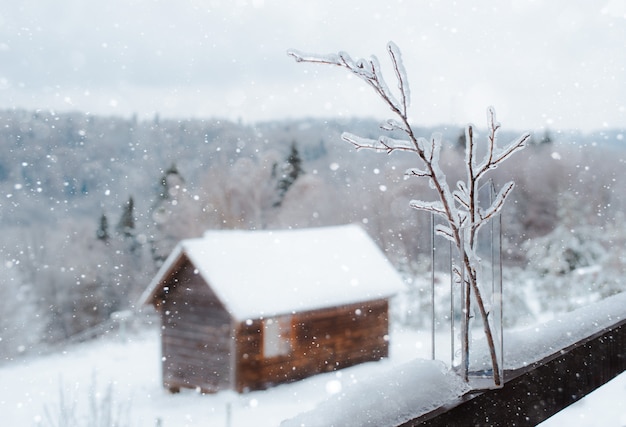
<point>288,270</point>
<point>388,397</point>
<point>530,344</point>
<point>392,397</point>
<point>394,387</point>
<point>31,386</point>
<point>534,343</point>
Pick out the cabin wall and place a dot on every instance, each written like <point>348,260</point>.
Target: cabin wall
<point>321,341</point>
<point>196,335</point>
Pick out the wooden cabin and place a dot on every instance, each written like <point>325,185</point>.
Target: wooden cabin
<point>244,310</point>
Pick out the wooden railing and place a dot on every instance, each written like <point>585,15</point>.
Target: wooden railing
<point>536,392</point>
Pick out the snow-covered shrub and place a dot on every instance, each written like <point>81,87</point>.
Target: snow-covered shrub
<point>569,268</point>
<point>565,250</point>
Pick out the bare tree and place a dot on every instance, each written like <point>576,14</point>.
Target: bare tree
<point>462,214</point>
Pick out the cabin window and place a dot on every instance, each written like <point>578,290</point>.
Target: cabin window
<point>277,336</point>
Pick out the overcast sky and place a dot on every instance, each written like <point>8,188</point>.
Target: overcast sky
<point>558,64</point>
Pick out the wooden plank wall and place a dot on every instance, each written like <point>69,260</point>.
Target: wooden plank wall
<point>196,335</point>
<point>198,338</point>
<point>322,341</point>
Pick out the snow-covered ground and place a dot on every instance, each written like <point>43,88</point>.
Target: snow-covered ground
<point>31,387</point>
<point>77,382</point>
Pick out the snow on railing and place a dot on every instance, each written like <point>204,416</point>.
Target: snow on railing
<point>532,344</point>
<point>396,397</point>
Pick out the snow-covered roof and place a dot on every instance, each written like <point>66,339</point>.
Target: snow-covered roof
<point>265,273</point>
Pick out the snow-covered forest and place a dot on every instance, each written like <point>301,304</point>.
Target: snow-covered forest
<point>92,205</point>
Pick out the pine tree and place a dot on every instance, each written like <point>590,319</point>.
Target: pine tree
<point>103,230</point>
<point>126,224</point>
<point>461,140</point>
<point>546,138</point>
<point>170,183</point>
<point>289,173</point>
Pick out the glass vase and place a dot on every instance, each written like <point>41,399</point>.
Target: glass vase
<point>467,328</point>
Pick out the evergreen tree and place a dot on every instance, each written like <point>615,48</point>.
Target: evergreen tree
<point>103,230</point>
<point>170,182</point>
<point>546,138</point>
<point>126,224</point>
<point>461,140</point>
<point>289,173</point>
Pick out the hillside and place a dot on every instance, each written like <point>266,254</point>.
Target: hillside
<point>92,205</point>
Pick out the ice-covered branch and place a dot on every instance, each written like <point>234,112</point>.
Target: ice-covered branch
<point>446,232</point>
<point>432,148</point>
<point>383,143</point>
<point>417,172</point>
<point>462,195</point>
<point>369,71</point>
<point>499,155</point>
<point>460,208</point>
<point>496,155</point>
<point>299,56</point>
<point>393,125</point>
<point>398,66</point>
<point>485,215</point>
<point>434,207</point>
